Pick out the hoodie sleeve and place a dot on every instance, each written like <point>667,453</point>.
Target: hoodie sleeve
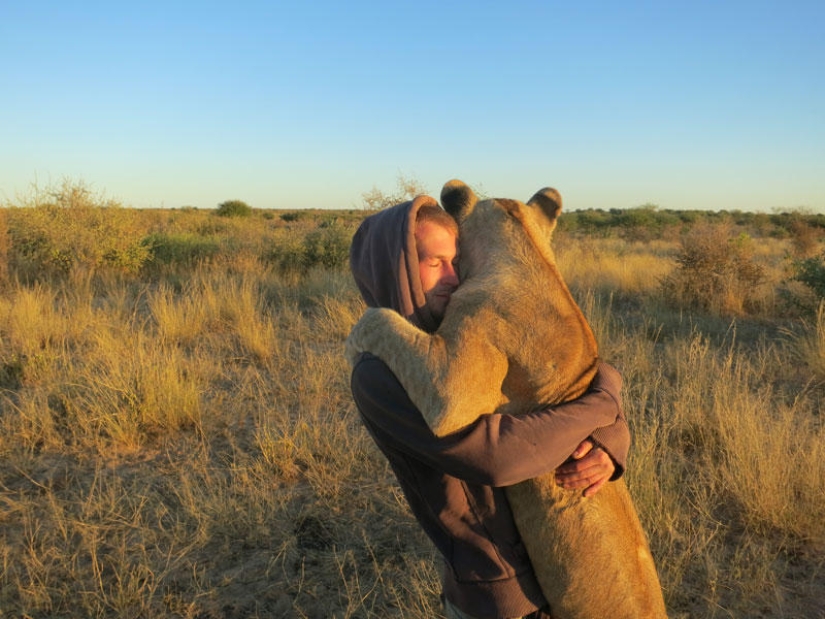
<point>497,449</point>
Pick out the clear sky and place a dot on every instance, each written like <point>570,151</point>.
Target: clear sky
<point>706,105</point>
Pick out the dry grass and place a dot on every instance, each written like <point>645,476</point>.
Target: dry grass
<point>614,266</point>
<point>185,445</point>
<point>807,342</point>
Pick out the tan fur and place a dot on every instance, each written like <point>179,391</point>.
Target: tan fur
<point>513,339</point>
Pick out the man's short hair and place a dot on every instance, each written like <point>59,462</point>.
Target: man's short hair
<point>437,215</point>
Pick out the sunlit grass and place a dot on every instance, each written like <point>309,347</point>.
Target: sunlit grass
<point>615,265</point>
<point>183,443</point>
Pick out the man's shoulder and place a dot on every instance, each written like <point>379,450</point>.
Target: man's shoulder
<point>369,369</point>
<point>373,380</point>
<point>368,361</point>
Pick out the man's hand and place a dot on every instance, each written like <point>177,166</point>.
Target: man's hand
<point>590,469</point>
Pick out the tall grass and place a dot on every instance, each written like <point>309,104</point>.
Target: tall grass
<point>181,441</point>
<point>728,473</point>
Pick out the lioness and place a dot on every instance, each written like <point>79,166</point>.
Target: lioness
<point>513,332</point>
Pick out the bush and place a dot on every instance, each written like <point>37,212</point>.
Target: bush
<point>73,229</point>
<point>234,208</point>
<point>811,273</point>
<point>326,246</point>
<point>716,271</point>
<point>292,216</point>
<point>805,238</point>
<point>594,222</point>
<point>184,249</point>
<point>288,255</point>
<point>645,222</point>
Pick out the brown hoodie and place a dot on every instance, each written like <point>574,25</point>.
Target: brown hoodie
<point>384,262</point>
<point>455,484</point>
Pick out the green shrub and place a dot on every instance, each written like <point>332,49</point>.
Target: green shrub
<point>594,222</point>
<point>292,216</point>
<point>288,255</point>
<point>811,273</point>
<point>641,223</point>
<point>646,222</point>
<point>73,229</point>
<point>183,249</point>
<point>234,208</point>
<point>328,246</point>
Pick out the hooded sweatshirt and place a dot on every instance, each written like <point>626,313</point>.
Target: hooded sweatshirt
<point>455,485</point>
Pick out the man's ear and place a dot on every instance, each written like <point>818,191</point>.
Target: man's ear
<point>458,199</point>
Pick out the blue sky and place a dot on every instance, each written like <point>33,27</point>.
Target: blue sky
<point>705,105</point>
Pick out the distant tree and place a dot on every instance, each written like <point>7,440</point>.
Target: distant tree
<point>406,189</point>
<point>234,208</point>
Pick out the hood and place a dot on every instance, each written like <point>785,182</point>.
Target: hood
<point>384,262</point>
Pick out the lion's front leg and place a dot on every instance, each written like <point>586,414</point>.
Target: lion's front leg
<point>415,357</point>
<point>385,334</point>
<point>451,381</point>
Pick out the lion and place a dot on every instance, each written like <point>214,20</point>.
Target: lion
<point>513,331</point>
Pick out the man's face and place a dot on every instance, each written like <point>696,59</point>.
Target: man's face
<point>437,261</point>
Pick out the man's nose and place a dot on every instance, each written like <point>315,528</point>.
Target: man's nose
<point>450,275</point>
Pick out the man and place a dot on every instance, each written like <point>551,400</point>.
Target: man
<point>405,258</point>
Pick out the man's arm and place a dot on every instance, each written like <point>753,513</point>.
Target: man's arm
<point>497,449</point>
<point>603,456</point>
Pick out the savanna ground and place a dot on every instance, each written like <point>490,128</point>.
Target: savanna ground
<point>177,437</point>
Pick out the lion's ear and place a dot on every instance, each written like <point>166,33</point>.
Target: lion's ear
<point>549,201</point>
<point>458,199</point>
